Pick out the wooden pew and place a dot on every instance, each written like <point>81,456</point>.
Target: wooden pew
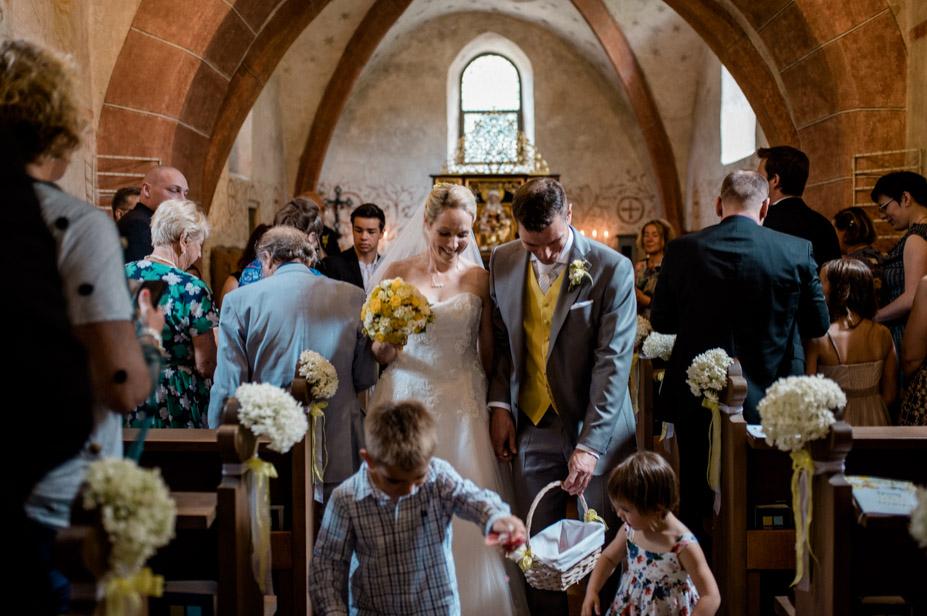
<point>646,386</point>
<point>753,472</point>
<point>859,554</point>
<point>190,461</point>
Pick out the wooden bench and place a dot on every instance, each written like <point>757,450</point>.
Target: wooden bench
<point>859,554</point>
<point>753,473</point>
<point>190,461</point>
<point>646,385</point>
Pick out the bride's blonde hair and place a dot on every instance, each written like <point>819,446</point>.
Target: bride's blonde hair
<point>449,196</point>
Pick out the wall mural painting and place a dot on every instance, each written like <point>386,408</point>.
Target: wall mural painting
<point>618,208</point>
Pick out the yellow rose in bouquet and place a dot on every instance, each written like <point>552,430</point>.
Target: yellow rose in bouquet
<point>394,310</point>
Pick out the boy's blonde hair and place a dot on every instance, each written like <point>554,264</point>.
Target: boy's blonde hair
<point>646,481</point>
<point>401,434</point>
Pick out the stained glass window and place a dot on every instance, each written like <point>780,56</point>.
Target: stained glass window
<point>490,110</point>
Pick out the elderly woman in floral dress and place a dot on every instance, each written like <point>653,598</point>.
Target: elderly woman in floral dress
<point>178,230</point>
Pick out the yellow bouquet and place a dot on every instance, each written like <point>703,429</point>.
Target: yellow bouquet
<point>394,310</point>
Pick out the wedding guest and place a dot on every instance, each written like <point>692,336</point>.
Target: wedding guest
<point>356,264</point>
<point>300,213</point>
<point>902,201</point>
<point>742,287</point>
<point>39,110</point>
<point>857,353</point>
<point>786,170</point>
<point>124,201</point>
<point>161,183</point>
<point>651,241</point>
<point>914,361</point>
<point>856,234</point>
<point>264,327</point>
<point>393,518</point>
<point>178,230</point>
<point>248,256</point>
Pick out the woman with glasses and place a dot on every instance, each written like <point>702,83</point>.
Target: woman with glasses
<point>902,200</point>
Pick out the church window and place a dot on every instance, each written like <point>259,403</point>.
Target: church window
<point>738,122</point>
<point>490,109</point>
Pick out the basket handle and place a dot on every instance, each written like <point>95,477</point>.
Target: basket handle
<point>534,504</point>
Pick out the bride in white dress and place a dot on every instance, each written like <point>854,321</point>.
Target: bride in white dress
<point>446,369</point>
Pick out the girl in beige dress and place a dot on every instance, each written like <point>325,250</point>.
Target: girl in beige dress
<point>857,353</point>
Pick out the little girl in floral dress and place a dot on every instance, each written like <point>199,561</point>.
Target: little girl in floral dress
<point>665,569</point>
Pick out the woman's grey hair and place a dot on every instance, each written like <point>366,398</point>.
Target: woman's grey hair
<point>175,219</point>
<point>285,244</point>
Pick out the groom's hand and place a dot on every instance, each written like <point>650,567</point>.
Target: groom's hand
<point>581,465</point>
<point>502,432</point>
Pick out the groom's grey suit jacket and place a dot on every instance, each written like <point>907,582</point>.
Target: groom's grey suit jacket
<point>264,327</point>
<point>591,345</point>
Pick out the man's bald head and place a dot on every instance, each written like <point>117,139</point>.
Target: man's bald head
<point>161,184</point>
<point>745,193</point>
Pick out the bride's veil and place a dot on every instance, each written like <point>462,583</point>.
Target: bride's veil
<point>413,240</point>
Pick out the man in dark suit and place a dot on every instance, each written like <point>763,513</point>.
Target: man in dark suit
<point>161,183</point>
<point>356,264</point>
<point>786,169</point>
<point>741,287</point>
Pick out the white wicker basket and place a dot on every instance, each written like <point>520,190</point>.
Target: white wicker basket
<point>542,575</point>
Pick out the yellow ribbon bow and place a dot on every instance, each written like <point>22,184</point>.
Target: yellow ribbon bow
<point>592,516</point>
<point>259,502</point>
<point>802,464</point>
<point>124,594</point>
<point>315,412</point>
<point>525,562</point>
<point>713,473</point>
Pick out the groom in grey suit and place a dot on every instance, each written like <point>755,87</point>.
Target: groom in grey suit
<point>264,327</point>
<point>564,324</point>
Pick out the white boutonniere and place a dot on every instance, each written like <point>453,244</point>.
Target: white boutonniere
<point>579,270</point>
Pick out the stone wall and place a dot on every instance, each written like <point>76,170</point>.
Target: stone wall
<point>391,135</point>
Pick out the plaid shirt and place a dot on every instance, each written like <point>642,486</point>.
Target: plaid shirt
<point>398,555</point>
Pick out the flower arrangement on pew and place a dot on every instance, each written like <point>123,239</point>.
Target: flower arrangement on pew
<point>918,524</point>
<point>138,516</point>
<point>271,412</point>
<point>322,378</point>
<point>795,411</point>
<point>395,310</point>
<point>643,330</point>
<point>658,346</point>
<point>706,377</point>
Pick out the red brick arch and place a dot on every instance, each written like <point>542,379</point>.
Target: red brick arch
<point>842,66</point>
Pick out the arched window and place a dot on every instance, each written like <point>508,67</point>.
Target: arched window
<point>738,122</point>
<point>490,79</point>
<point>490,109</point>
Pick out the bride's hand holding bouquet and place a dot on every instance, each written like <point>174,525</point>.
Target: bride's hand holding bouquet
<point>394,310</point>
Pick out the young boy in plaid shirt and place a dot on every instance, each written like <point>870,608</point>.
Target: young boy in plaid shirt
<point>386,533</point>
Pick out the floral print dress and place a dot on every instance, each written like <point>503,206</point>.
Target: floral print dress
<point>182,398</point>
<point>655,584</point>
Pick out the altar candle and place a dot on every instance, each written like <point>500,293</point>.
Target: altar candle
<point>606,234</point>
<point>595,233</point>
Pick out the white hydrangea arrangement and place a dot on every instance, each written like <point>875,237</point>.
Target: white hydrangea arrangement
<point>320,373</point>
<point>643,330</point>
<point>658,346</point>
<point>271,412</point>
<point>918,524</point>
<point>707,374</point>
<point>136,509</point>
<point>799,409</point>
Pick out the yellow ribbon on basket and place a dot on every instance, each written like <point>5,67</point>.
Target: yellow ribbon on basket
<point>263,471</point>
<point>526,560</point>
<point>713,473</point>
<point>801,464</point>
<point>592,516</point>
<point>124,594</point>
<point>315,412</point>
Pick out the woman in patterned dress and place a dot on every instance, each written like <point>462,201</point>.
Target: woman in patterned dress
<point>914,361</point>
<point>902,201</point>
<point>178,230</point>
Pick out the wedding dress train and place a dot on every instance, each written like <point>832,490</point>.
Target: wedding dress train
<point>441,368</point>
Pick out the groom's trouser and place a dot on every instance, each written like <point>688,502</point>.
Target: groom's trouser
<point>543,453</point>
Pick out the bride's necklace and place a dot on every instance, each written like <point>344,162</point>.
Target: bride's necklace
<point>434,281</point>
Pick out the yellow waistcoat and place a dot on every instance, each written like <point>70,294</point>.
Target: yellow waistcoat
<point>534,395</point>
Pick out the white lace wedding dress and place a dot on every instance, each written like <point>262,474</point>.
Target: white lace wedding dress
<point>441,368</point>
